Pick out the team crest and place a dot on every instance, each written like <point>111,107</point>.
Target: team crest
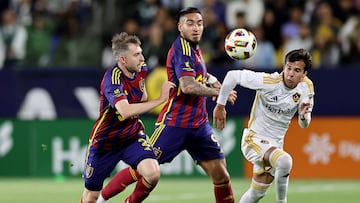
<point>89,171</point>
<point>296,97</point>
<point>117,93</point>
<point>142,85</point>
<point>157,152</point>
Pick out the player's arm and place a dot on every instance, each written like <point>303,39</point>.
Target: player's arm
<point>231,79</point>
<point>128,110</point>
<point>189,85</point>
<point>212,80</point>
<point>304,117</point>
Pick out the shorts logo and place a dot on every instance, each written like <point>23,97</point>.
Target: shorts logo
<point>89,170</point>
<point>157,152</point>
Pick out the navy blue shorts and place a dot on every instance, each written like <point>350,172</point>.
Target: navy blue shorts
<point>200,143</point>
<point>100,163</point>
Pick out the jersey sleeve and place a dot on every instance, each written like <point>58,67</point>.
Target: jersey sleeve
<point>183,60</point>
<point>246,78</point>
<point>113,87</point>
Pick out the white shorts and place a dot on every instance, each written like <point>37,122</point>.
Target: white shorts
<point>253,147</point>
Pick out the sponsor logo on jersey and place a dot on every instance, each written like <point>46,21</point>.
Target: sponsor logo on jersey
<point>274,109</point>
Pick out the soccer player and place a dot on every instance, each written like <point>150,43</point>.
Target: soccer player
<point>183,122</point>
<point>118,133</point>
<point>279,96</point>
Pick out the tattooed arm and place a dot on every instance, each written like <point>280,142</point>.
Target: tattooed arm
<point>189,85</point>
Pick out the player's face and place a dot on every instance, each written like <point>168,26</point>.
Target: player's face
<point>134,58</point>
<point>191,27</point>
<point>293,73</point>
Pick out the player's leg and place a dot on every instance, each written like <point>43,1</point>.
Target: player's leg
<point>149,170</point>
<point>258,187</point>
<point>98,167</point>
<point>282,162</point>
<point>216,170</point>
<point>254,149</point>
<point>118,183</point>
<point>140,155</point>
<point>206,150</point>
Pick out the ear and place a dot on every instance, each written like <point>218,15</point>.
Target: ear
<point>121,59</point>
<point>179,27</point>
<point>305,74</point>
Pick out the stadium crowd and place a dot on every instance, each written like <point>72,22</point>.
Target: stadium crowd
<point>76,33</point>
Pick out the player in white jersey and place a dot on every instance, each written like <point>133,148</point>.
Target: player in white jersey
<point>279,96</point>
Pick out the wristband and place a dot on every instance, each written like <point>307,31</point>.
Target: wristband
<point>211,79</point>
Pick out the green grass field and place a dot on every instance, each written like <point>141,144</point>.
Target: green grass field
<point>177,191</point>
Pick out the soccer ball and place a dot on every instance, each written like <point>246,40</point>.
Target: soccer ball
<point>240,44</point>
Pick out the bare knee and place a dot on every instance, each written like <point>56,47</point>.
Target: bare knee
<point>90,196</point>
<point>150,170</point>
<point>216,170</point>
<point>265,178</point>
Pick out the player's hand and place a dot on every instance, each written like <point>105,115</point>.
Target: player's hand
<point>305,108</point>
<point>219,116</point>
<point>216,85</point>
<point>232,97</point>
<point>165,90</point>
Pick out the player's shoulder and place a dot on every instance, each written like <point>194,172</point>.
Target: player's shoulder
<point>272,78</point>
<point>182,46</point>
<point>307,83</point>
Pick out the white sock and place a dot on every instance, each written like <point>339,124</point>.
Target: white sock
<point>282,162</point>
<point>254,193</point>
<point>100,199</point>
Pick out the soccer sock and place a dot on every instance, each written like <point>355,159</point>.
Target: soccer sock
<point>255,192</point>
<point>119,182</point>
<point>100,199</point>
<point>282,162</point>
<point>223,193</point>
<point>141,191</point>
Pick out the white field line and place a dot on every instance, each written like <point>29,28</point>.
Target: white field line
<point>311,188</point>
<point>328,187</point>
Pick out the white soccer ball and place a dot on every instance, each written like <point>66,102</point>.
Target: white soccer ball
<point>240,44</point>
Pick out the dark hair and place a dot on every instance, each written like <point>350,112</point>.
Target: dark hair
<point>187,10</point>
<point>300,55</point>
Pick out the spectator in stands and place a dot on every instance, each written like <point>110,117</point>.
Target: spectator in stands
<point>253,10</point>
<point>153,45</point>
<point>349,37</point>
<point>303,40</point>
<point>213,35</point>
<point>40,33</point>
<point>271,26</point>
<point>263,57</point>
<point>325,28</point>
<point>13,37</point>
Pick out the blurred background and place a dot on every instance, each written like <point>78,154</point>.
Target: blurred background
<point>53,54</point>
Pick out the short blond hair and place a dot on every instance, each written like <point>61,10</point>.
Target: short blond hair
<point>120,43</point>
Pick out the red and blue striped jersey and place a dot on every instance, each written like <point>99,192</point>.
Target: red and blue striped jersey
<point>184,110</point>
<point>110,129</point>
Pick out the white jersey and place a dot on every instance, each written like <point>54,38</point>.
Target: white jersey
<point>274,104</point>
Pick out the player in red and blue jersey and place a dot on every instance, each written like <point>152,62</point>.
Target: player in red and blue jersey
<point>183,122</point>
<point>118,133</point>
